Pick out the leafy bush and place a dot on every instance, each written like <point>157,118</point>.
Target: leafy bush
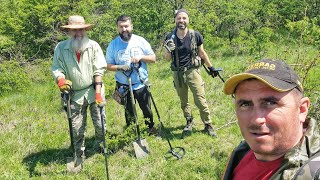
<point>39,70</point>
<point>13,78</point>
<point>315,106</point>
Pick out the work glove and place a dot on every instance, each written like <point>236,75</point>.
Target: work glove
<point>213,72</point>
<point>170,45</point>
<point>123,67</point>
<point>64,85</point>
<point>99,100</point>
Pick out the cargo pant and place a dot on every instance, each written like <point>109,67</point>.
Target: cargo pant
<point>79,124</point>
<point>191,79</point>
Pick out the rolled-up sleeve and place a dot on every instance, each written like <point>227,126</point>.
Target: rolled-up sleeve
<point>57,68</point>
<point>100,64</point>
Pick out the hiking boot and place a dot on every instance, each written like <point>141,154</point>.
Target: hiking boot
<point>188,127</point>
<point>208,129</point>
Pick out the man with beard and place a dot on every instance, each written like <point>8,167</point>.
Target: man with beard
<point>186,73</point>
<point>78,67</point>
<point>128,55</point>
<point>281,142</point>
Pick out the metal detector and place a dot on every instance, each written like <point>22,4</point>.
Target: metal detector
<point>217,70</point>
<point>177,152</point>
<point>103,122</point>
<point>74,164</point>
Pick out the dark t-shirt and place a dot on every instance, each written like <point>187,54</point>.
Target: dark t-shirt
<point>184,48</point>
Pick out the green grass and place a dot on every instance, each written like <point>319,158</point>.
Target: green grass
<point>35,140</point>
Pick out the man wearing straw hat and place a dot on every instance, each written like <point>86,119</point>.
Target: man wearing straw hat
<point>78,67</point>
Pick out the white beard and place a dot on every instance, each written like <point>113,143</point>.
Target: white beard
<point>79,43</point>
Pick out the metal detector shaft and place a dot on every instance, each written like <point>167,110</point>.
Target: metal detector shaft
<point>172,151</point>
<point>66,96</point>
<point>212,75</point>
<point>155,107</point>
<point>104,141</point>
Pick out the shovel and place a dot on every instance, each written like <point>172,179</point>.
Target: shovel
<point>74,164</point>
<point>141,147</point>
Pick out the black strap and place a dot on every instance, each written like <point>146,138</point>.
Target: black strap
<point>314,174</point>
<point>194,46</point>
<point>98,83</point>
<point>179,74</point>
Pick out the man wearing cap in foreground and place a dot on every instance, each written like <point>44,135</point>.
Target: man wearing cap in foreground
<point>79,63</point>
<point>280,141</point>
<point>186,50</point>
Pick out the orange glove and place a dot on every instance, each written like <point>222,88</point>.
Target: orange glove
<point>99,99</point>
<point>64,85</point>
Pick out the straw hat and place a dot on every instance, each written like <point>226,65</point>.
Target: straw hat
<point>77,22</point>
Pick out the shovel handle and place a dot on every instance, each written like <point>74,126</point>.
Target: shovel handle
<point>134,107</point>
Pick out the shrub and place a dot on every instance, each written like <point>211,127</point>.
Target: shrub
<point>13,78</point>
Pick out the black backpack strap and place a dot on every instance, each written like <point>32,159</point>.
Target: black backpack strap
<point>196,59</point>
<point>311,166</point>
<point>194,46</point>
<point>175,61</point>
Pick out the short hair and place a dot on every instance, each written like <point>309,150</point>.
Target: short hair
<point>123,17</point>
<point>298,94</point>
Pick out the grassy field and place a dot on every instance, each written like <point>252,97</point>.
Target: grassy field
<point>35,139</point>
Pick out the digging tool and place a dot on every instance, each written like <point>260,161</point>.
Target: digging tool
<point>217,70</point>
<point>74,164</point>
<point>141,147</point>
<point>103,122</point>
<point>177,152</point>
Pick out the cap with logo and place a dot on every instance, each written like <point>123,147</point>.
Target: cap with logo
<point>275,73</point>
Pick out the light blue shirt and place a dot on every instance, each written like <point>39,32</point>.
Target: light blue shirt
<point>120,52</point>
